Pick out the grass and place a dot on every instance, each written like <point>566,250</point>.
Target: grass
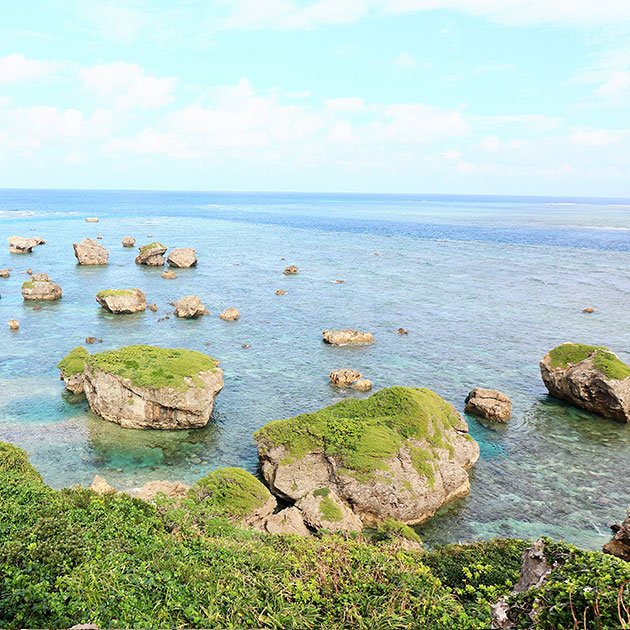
<point>391,528</point>
<point>329,510</point>
<point>29,284</point>
<point>365,433</point>
<point>153,245</point>
<point>605,361</point>
<point>74,361</point>
<point>116,292</point>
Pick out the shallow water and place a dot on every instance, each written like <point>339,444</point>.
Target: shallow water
<point>484,286</point>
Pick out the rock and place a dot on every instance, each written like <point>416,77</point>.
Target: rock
<point>590,377</point>
<point>189,306</point>
<point>290,270</point>
<point>122,300</point>
<point>152,307</point>
<point>89,252</point>
<point>100,486</point>
<point>402,331</point>
<point>620,544</point>
<point>99,237</point>
<point>151,255</point>
<point>183,257</point>
<point>245,345</point>
<point>169,275</point>
<point>347,337</point>
<point>144,387</point>
<point>14,324</point>
<point>20,245</point>
<point>37,307</point>
<point>398,535</point>
<point>588,309</point>
<point>287,521</point>
<point>402,453</point>
<point>39,287</point>
<point>92,219</point>
<point>338,281</point>
<point>344,377</point>
<point>281,292</point>
<point>4,273</point>
<point>230,314</point>
<point>149,491</point>
<point>489,403</point>
<point>90,340</point>
<point>29,271</point>
<point>363,385</point>
<point>128,241</point>
<point>322,509</point>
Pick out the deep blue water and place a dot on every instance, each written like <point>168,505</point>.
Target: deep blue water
<point>485,286</point>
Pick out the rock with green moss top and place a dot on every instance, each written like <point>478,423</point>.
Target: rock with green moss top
<point>401,453</point>
<point>145,387</point>
<point>590,377</point>
<point>151,255</point>
<point>71,369</point>
<point>41,288</point>
<point>122,300</point>
<point>323,509</point>
<point>398,533</point>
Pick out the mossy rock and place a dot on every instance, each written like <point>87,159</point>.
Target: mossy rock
<point>392,529</point>
<point>116,292</point>
<point>74,362</point>
<point>154,245</point>
<point>604,360</point>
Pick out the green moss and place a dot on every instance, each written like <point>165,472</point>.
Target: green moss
<point>422,460</point>
<point>29,284</point>
<point>230,492</point>
<point>74,361</point>
<point>14,462</point>
<point>322,492</point>
<point>390,528</point>
<point>365,433</point>
<point>115,292</point>
<point>572,353</point>
<point>329,510</point>
<point>149,366</point>
<point>151,246</point>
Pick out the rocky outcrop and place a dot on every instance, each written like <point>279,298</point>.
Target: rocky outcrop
<point>20,245</point>
<point>344,377</point>
<point>183,257</point>
<point>489,403</point>
<point>402,453</point>
<point>322,509</point>
<point>230,314</point>
<point>590,377</point>
<point>89,252</point>
<point>151,255</point>
<point>144,387</point>
<point>128,241</point>
<point>189,306</point>
<point>347,337</point>
<point>620,544</point>
<point>122,300</point>
<point>287,521</point>
<point>291,270</point>
<point>40,287</point>
<point>150,490</point>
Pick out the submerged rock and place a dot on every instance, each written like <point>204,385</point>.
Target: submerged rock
<point>20,245</point>
<point>189,306</point>
<point>347,336</point>
<point>230,314</point>
<point>89,252</point>
<point>40,287</point>
<point>151,255</point>
<point>144,387</point>
<point>183,257</point>
<point>402,453</point>
<point>591,377</point>
<point>620,544</point>
<point>122,300</point>
<point>169,275</point>
<point>128,241</point>
<point>344,377</point>
<point>489,403</point>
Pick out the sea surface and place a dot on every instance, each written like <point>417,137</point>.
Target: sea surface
<point>484,285</point>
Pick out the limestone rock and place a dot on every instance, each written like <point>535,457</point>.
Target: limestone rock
<point>287,521</point>
<point>588,309</point>
<point>151,255</point>
<point>92,219</point>
<point>128,241</point>
<point>620,544</point>
<point>230,314</point>
<point>363,385</point>
<point>322,509</point>
<point>489,403</point>
<point>347,336</point>
<point>100,486</point>
<point>189,306</point>
<point>183,257</point>
<point>89,252</point>
<point>290,270</point>
<point>402,331</point>
<point>20,245</point>
<point>169,275</point>
<point>122,300</point>
<point>344,377</point>
<point>590,377</point>
<point>149,491</point>
<point>383,458</point>
<point>14,324</point>
<point>281,292</point>
<point>4,273</point>
<point>144,387</point>
<point>39,287</point>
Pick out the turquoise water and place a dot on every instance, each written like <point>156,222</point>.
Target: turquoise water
<point>485,287</point>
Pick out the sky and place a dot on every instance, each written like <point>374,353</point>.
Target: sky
<point>393,96</point>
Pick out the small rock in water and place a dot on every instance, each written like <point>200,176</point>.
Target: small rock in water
<point>183,257</point>
<point>169,275</point>
<point>338,281</point>
<point>489,403</point>
<point>100,341</point>
<point>281,292</point>
<point>402,331</point>
<point>14,324</point>
<point>230,314</point>
<point>4,273</point>
<point>245,345</point>
<point>90,340</point>
<point>363,385</point>
<point>376,254</point>
<point>344,377</point>
<point>207,343</point>
<point>29,271</point>
<point>152,307</point>
<point>290,270</point>
<point>589,309</point>
<point>92,219</point>
<point>37,307</point>
<point>347,336</point>
<point>128,241</point>
<point>171,303</point>
<point>100,236</point>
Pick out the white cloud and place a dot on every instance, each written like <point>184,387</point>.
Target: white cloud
<point>490,143</point>
<point>595,138</point>
<point>405,60</point>
<point>16,67</point>
<point>126,85</point>
<point>453,154</point>
<point>352,104</point>
<point>617,87</point>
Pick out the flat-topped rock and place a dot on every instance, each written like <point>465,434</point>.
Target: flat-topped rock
<point>40,287</point>
<point>128,241</point>
<point>489,403</point>
<point>151,255</point>
<point>21,245</point>
<point>590,377</point>
<point>402,453</point>
<point>182,257</point>
<point>347,337</point>
<point>122,300</point>
<point>344,377</point>
<point>230,314</point>
<point>91,219</point>
<point>145,387</point>
<point>89,252</point>
<point>189,306</point>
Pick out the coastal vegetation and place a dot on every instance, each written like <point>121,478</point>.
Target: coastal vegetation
<point>603,359</point>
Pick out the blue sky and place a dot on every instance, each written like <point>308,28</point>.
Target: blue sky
<point>436,96</point>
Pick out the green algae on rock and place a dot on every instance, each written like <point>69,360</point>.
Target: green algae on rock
<point>591,377</point>
<point>122,300</point>
<point>401,453</point>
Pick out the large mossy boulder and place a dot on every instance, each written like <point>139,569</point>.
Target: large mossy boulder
<point>145,387</point>
<point>41,288</point>
<point>122,300</point>
<point>401,453</point>
<point>591,377</point>
<point>151,255</point>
